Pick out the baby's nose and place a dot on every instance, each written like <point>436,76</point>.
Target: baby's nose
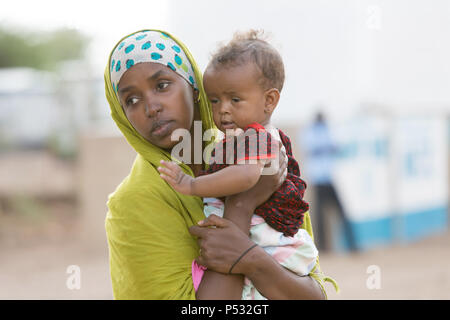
<point>224,107</point>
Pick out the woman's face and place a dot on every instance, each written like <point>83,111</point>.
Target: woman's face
<point>156,101</point>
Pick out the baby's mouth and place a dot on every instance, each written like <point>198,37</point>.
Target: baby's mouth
<point>227,125</point>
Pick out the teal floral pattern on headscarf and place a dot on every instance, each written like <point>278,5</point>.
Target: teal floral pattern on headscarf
<point>149,46</point>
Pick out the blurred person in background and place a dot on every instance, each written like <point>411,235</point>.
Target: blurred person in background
<point>320,152</point>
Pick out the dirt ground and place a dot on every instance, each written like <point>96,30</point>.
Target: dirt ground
<point>38,270</point>
<point>411,271</point>
<point>41,239</point>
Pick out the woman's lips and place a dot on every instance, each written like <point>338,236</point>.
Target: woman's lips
<point>161,128</point>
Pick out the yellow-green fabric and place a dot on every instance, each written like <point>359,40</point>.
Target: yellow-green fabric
<point>316,272</point>
<point>147,224</point>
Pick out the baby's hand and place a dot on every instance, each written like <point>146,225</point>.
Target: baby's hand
<point>174,176</point>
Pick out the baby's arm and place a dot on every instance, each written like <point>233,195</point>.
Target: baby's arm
<point>228,181</point>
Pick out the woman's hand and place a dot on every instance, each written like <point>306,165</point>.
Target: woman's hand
<point>221,243</point>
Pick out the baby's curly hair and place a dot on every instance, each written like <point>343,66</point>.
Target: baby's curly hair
<point>252,46</point>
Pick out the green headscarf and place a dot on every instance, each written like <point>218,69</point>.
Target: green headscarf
<point>151,249</point>
<point>147,225</point>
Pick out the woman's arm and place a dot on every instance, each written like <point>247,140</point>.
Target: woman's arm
<point>288,286</point>
<point>233,242</point>
<point>261,269</point>
<point>224,244</point>
<point>219,286</point>
<point>239,209</point>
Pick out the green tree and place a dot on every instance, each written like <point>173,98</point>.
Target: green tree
<point>40,49</point>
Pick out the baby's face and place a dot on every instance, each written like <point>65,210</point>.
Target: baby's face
<point>236,97</point>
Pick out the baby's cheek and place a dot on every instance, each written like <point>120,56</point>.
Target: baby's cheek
<point>215,112</point>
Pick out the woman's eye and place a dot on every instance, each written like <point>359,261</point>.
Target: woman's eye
<point>162,85</point>
<point>132,101</point>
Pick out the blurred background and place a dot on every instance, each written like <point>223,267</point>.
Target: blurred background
<point>366,103</point>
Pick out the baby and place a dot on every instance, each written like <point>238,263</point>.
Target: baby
<point>243,81</point>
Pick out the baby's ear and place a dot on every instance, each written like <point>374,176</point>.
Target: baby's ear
<point>272,97</point>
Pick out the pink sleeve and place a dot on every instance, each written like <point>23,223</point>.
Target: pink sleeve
<point>197,274</point>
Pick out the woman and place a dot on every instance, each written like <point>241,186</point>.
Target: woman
<point>154,87</point>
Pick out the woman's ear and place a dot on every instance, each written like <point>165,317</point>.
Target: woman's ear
<point>196,95</point>
<point>272,97</point>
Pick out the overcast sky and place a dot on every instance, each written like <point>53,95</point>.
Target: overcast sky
<point>337,53</point>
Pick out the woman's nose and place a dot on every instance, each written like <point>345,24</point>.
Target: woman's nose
<point>152,107</point>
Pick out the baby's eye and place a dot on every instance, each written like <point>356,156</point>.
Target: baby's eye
<point>235,99</point>
<point>214,100</point>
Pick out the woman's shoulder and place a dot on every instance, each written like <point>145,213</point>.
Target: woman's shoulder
<point>144,192</point>
<point>142,187</point>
